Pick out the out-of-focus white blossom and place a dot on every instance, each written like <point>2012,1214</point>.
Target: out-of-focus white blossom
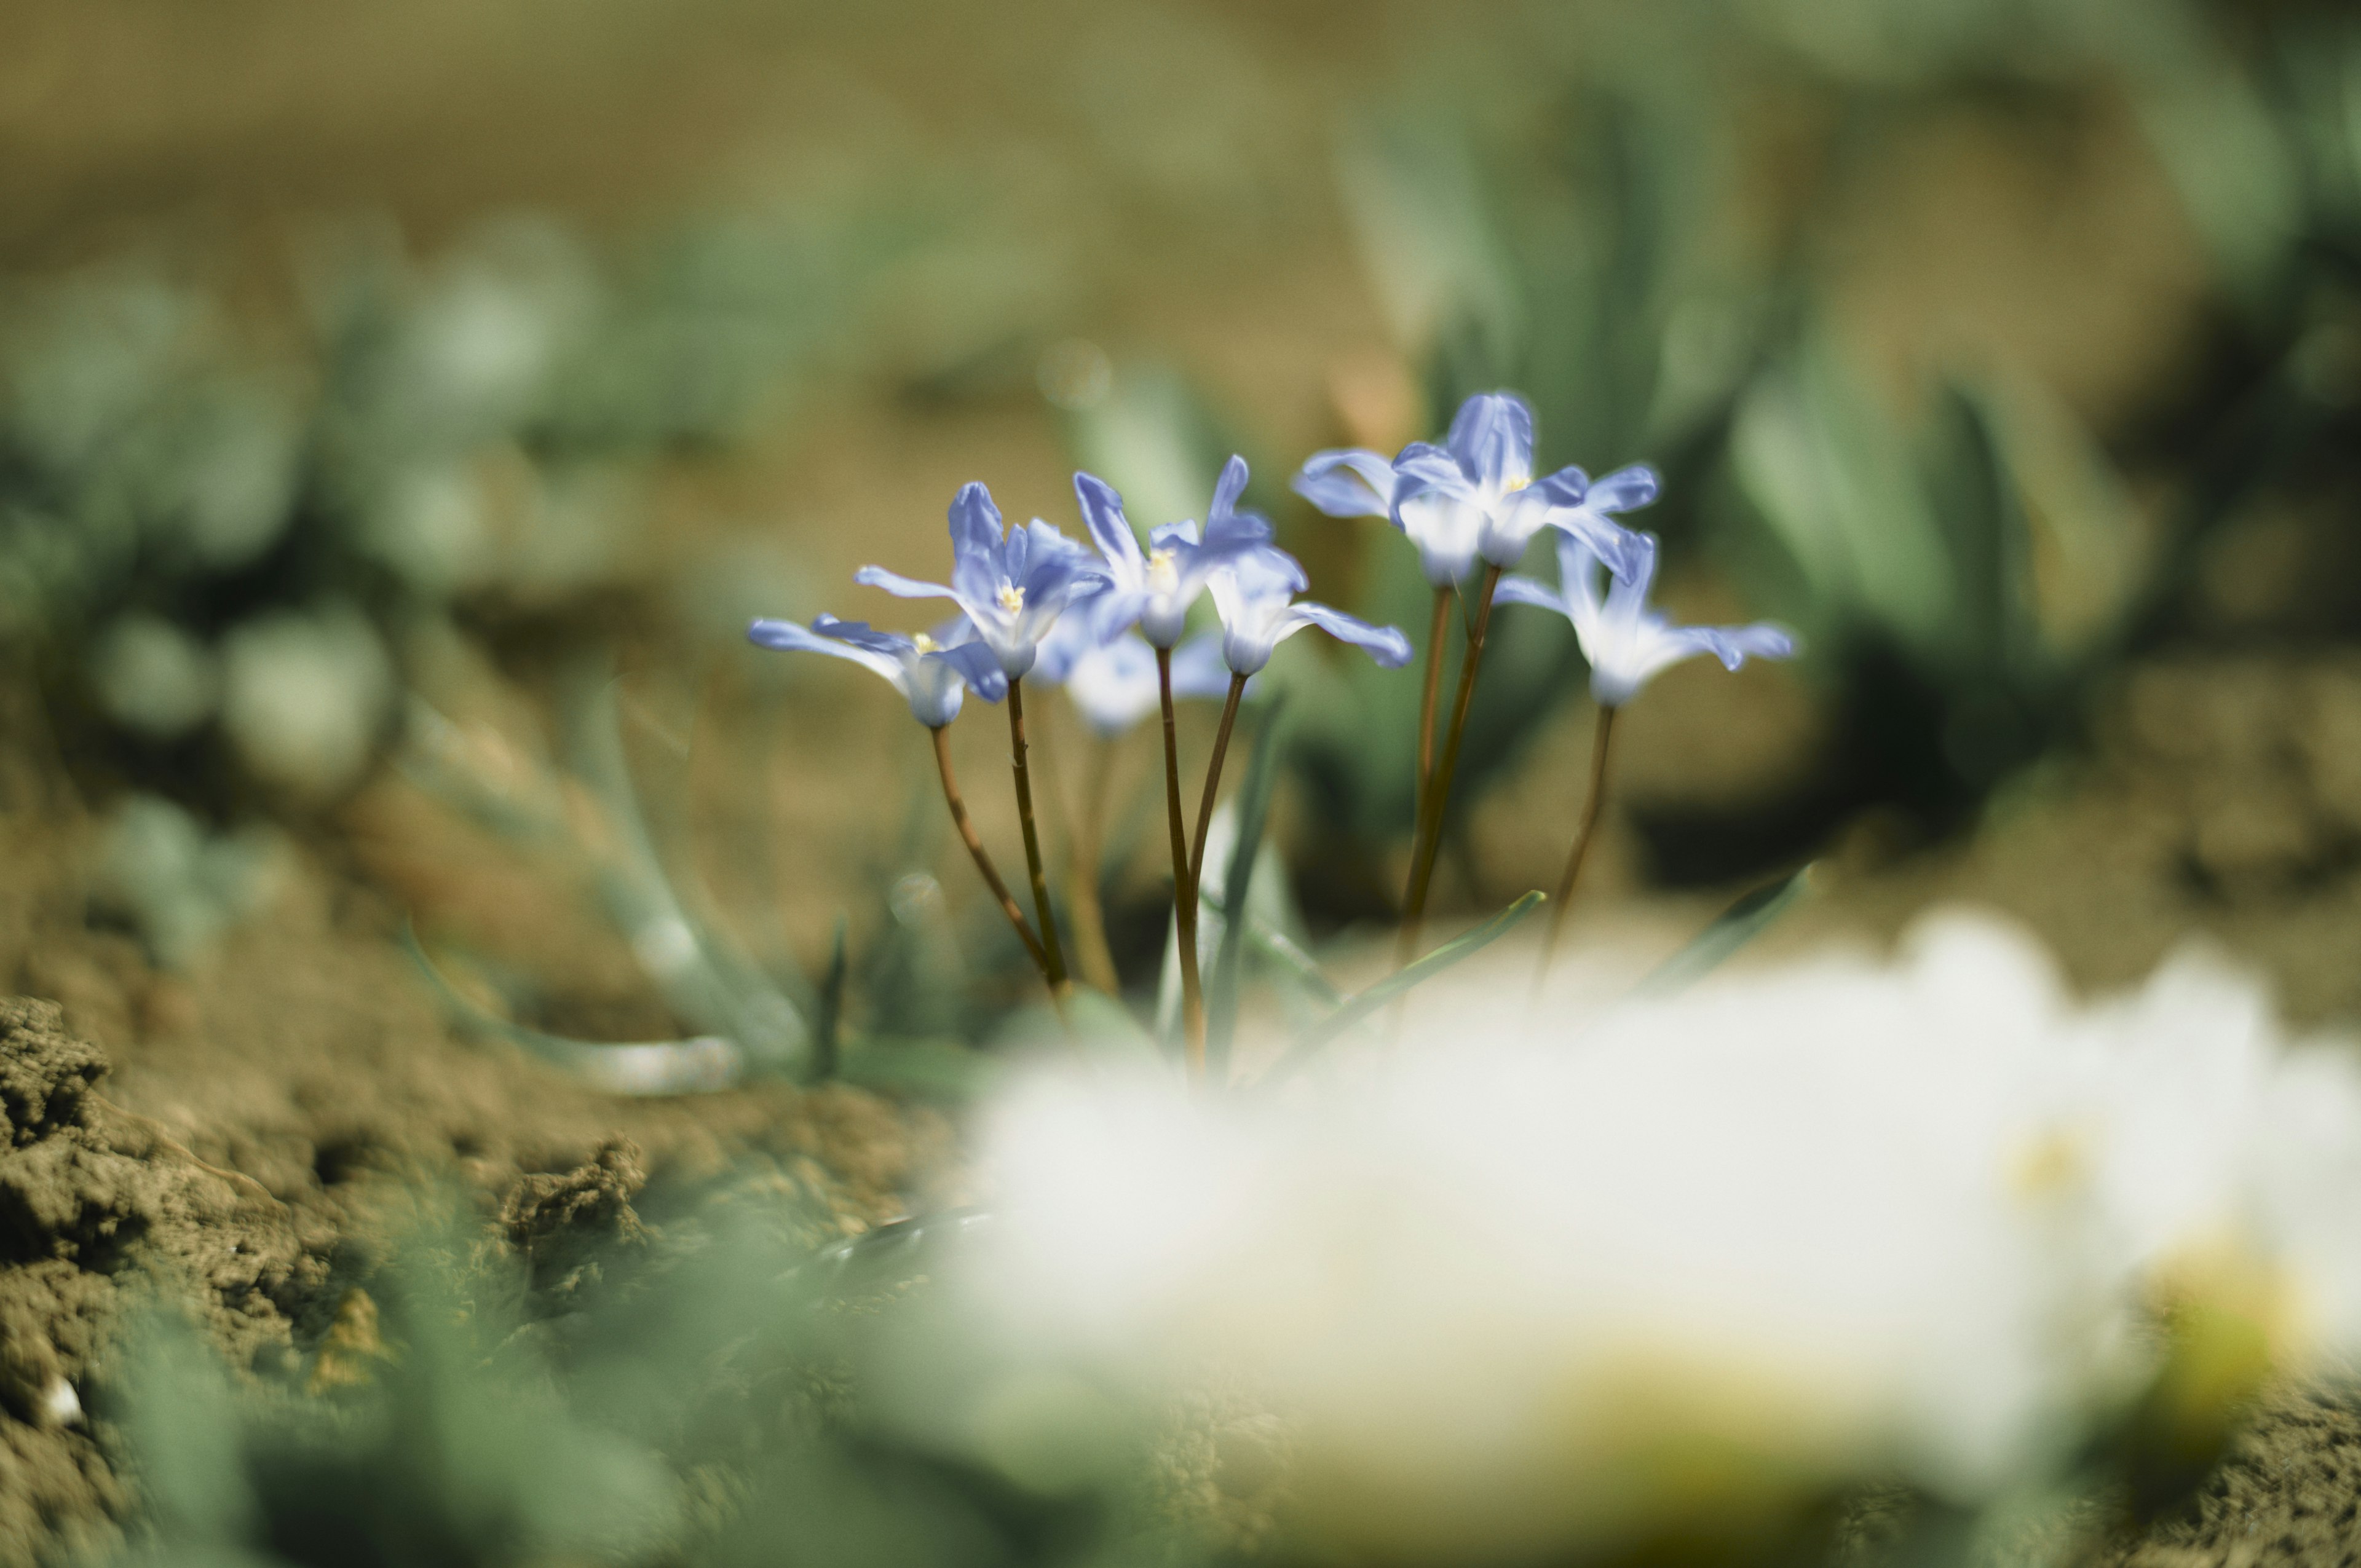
<point>1526,1282</point>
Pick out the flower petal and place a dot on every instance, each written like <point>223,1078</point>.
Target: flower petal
<point>1346,483</point>
<point>1421,467</point>
<point>1102,515</point>
<point>1625,489</point>
<point>975,523</point>
<point>1610,542</point>
<point>1517,588</point>
<point>1492,437</point>
<point>905,588</point>
<point>1566,487</point>
<point>979,667</point>
<point>1733,645</point>
<point>1226,491</point>
<point>787,637</point>
<point>1385,644</point>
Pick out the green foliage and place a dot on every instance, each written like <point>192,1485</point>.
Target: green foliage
<point>225,551</point>
<point>724,1393</point>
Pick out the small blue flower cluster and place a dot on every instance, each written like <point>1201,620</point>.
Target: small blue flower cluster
<point>1014,587</point>
<point>1110,625</point>
<point>1474,500</point>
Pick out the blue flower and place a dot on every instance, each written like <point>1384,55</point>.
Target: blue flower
<point>1474,497</point>
<point>1626,642</point>
<point>1013,588</point>
<point>1112,682</point>
<point>931,670</point>
<point>1156,589</point>
<point>1255,596</point>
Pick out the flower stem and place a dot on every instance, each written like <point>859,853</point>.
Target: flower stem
<point>1600,740</point>
<point>1429,837</point>
<point>975,849</point>
<point>1053,960</point>
<point>1092,953</point>
<point>1436,636</point>
<point>1185,901</point>
<point>1214,782</point>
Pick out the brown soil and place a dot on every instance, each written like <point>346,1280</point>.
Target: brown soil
<point>230,1136</point>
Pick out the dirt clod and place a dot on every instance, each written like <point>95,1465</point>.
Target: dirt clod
<point>561,1220</point>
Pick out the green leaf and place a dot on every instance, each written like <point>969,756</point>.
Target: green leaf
<point>1254,812</point>
<point>1280,948</point>
<point>644,1067</point>
<point>1309,1044</point>
<point>1731,929</point>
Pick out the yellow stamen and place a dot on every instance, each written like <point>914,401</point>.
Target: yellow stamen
<point>1162,574</point>
<point>924,643</point>
<point>1012,599</point>
<point>1513,486</point>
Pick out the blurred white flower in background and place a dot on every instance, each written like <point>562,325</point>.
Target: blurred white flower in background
<point>1709,1255</point>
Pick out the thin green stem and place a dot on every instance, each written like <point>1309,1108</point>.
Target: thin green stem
<point>1184,902</point>
<point>1053,960</point>
<point>1438,634</point>
<point>983,860</point>
<point>1214,782</point>
<point>1601,740</point>
<point>1438,802</point>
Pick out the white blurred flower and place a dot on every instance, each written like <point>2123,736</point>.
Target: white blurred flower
<point>1526,1285</point>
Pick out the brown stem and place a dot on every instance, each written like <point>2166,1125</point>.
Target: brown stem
<point>1438,802</point>
<point>1214,782</point>
<point>1184,903</point>
<point>1436,636</point>
<point>1092,952</point>
<point>1053,960</point>
<point>1600,740</point>
<point>983,860</point>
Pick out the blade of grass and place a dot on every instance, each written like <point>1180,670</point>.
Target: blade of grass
<point>1254,813</point>
<point>1280,948</point>
<point>1735,927</point>
<point>1309,1043</point>
<point>641,1068</point>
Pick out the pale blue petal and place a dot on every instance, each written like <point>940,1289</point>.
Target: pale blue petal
<point>1385,644</point>
<point>1733,645</point>
<point>975,524</point>
<point>1625,489</point>
<point>979,667</point>
<point>1226,491</point>
<point>1347,483</point>
<point>1421,467</point>
<point>903,587</point>
<point>787,637</point>
<point>1102,515</point>
<point>1517,588</point>
<point>861,634</point>
<point>1565,487</point>
<point>1611,542</point>
<point>1492,437</point>
<point>1267,572</point>
<point>1174,535</point>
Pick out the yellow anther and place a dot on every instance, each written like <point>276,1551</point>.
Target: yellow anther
<point>1162,576</point>
<point>924,643</point>
<point>1012,599</point>
<point>1513,486</point>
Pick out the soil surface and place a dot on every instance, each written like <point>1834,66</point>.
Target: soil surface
<point>232,1134</point>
